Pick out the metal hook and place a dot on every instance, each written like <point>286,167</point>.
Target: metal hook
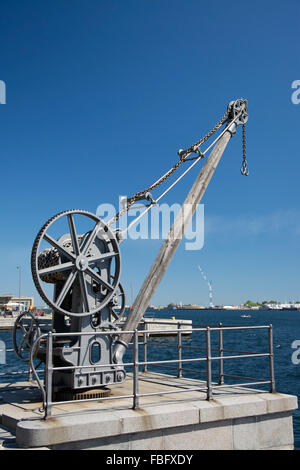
<point>244,169</point>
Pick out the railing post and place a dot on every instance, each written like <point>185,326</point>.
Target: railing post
<point>29,377</point>
<point>48,374</point>
<point>145,345</point>
<point>208,364</point>
<point>271,360</point>
<point>136,370</point>
<point>179,348</point>
<point>221,362</point>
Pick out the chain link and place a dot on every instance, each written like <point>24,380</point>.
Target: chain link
<point>244,169</point>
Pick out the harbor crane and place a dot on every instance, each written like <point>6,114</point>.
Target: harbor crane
<point>76,268</point>
<point>209,284</point>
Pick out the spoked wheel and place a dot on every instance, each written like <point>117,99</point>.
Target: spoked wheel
<point>118,304</point>
<point>90,263</point>
<point>25,331</point>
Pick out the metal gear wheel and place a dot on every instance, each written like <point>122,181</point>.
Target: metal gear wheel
<point>83,259</point>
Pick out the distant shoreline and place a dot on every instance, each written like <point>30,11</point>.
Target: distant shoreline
<point>241,309</point>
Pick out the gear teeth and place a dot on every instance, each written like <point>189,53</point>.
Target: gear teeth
<point>34,263</point>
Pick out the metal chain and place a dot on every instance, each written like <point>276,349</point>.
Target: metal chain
<point>50,257</point>
<point>183,154</point>
<point>196,146</point>
<point>244,169</point>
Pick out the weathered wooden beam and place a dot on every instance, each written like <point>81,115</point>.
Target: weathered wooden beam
<point>171,243</point>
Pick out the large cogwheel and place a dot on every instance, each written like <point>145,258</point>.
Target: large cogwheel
<point>91,261</point>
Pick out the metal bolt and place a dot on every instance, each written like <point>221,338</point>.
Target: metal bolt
<point>119,377</point>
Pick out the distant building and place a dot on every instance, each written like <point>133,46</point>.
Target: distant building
<point>192,307</point>
<point>8,301</point>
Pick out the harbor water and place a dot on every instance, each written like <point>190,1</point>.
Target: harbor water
<point>286,332</point>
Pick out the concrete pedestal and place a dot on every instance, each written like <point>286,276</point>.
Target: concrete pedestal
<point>234,419</point>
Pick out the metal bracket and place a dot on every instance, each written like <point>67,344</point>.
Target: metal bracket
<point>238,114</point>
<point>238,111</point>
<point>196,149</point>
<point>147,196</point>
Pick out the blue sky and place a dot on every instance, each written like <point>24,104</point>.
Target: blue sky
<point>102,94</point>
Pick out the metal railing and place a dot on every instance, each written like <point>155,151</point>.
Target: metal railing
<point>20,372</point>
<point>208,386</point>
<point>23,372</point>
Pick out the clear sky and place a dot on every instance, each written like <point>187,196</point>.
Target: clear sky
<point>101,95</point>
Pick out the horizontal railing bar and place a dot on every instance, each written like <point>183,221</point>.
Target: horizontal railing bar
<point>117,332</point>
<point>18,372</point>
<point>166,322</point>
<point>250,327</point>
<point>241,384</point>
<point>163,320</point>
<point>156,343</point>
<point>94,333</point>
<point>171,361</point>
<point>217,349</point>
<point>194,371</point>
<point>204,326</point>
<point>198,372</point>
<point>162,344</point>
<point>127,364</point>
<point>89,399</point>
<point>173,391</point>
<point>168,367</point>
<point>198,348</point>
<point>242,377</point>
<point>201,359</point>
<point>12,389</point>
<point>240,357</point>
<point>93,366</point>
<point>239,352</point>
